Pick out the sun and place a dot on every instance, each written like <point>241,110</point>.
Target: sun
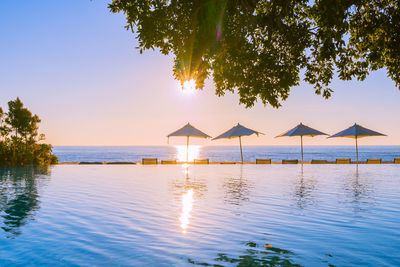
<point>189,86</point>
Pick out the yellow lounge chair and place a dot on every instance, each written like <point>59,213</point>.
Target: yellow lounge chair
<point>343,161</point>
<point>149,161</point>
<point>164,162</point>
<point>319,161</point>
<point>201,161</point>
<point>290,161</point>
<point>374,161</point>
<point>263,161</point>
<point>397,161</point>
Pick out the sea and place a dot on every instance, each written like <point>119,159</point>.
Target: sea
<point>221,153</point>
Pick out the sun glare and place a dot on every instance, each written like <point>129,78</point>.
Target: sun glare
<point>194,152</point>
<point>187,204</point>
<point>189,87</point>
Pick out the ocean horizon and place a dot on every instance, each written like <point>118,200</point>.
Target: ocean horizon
<point>222,153</point>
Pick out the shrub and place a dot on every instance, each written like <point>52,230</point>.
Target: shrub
<point>19,139</point>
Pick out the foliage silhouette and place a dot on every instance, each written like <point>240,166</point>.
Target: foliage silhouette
<point>259,47</point>
<point>254,256</point>
<point>19,138</point>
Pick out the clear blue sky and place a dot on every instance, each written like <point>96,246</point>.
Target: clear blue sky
<point>73,63</point>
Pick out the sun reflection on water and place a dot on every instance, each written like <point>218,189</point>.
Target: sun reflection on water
<point>187,205</point>
<point>193,153</point>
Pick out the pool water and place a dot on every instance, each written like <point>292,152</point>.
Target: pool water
<point>228,215</point>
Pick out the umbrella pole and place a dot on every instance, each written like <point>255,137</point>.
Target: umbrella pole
<point>241,152</point>
<point>301,138</point>
<point>187,150</point>
<point>357,149</point>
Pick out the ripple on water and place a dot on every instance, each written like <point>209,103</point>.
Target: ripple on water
<point>166,215</point>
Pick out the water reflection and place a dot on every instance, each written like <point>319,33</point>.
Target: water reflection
<point>193,153</point>
<point>359,191</point>
<point>254,255</point>
<point>187,189</point>
<point>187,205</point>
<point>303,192</point>
<point>237,189</point>
<point>182,185</point>
<point>19,196</point>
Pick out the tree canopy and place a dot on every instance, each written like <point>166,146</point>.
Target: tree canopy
<point>261,48</point>
<point>21,121</point>
<point>19,138</point>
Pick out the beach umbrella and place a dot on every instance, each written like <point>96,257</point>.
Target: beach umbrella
<point>302,130</point>
<point>237,131</point>
<point>188,131</point>
<point>356,131</point>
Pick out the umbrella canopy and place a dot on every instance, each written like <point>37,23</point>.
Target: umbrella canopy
<point>302,130</point>
<point>237,131</point>
<point>356,131</point>
<point>188,131</point>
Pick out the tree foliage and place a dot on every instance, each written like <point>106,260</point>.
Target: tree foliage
<point>19,138</point>
<point>259,48</point>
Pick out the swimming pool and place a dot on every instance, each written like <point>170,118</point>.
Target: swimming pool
<point>204,214</point>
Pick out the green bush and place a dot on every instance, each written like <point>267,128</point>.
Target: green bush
<point>19,139</point>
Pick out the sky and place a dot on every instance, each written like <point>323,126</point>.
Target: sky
<point>74,64</point>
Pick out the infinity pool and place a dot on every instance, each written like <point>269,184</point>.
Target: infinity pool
<point>226,215</point>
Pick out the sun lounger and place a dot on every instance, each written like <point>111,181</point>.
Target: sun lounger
<point>343,161</point>
<point>168,162</point>
<point>90,163</point>
<point>228,162</point>
<point>201,161</point>
<point>319,161</point>
<point>397,161</point>
<point>149,161</point>
<point>263,161</point>
<point>290,161</point>
<point>374,161</point>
